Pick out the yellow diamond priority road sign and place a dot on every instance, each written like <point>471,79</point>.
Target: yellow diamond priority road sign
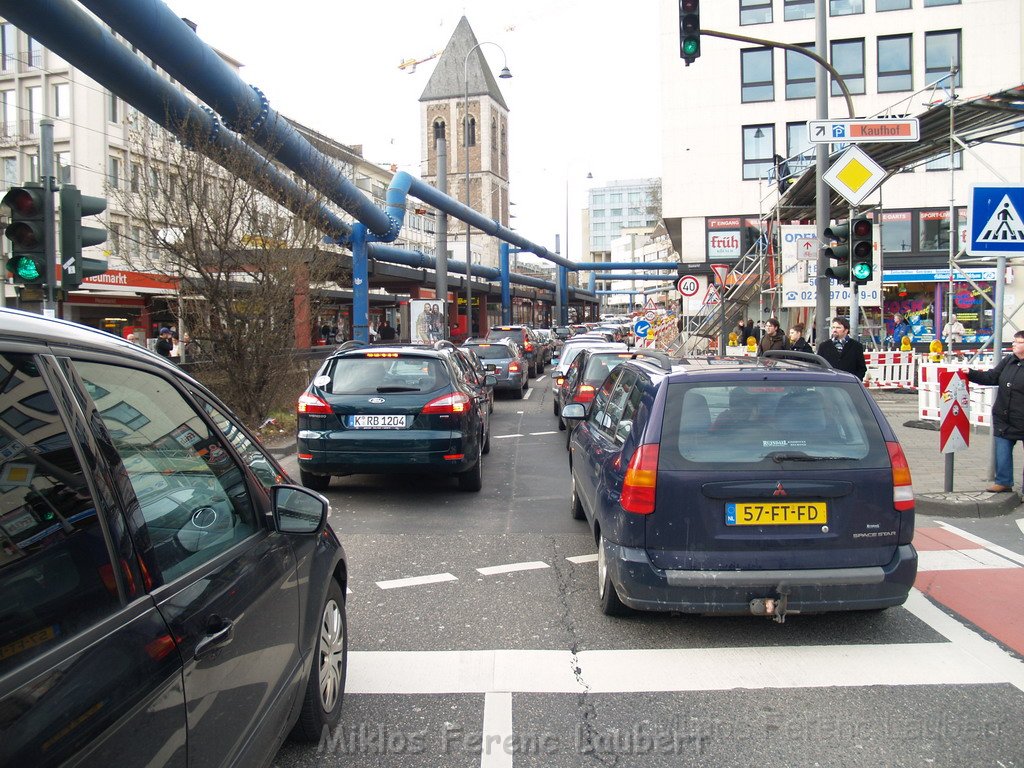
<point>854,175</point>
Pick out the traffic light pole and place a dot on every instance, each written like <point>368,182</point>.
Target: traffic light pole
<point>50,238</point>
<point>854,284</point>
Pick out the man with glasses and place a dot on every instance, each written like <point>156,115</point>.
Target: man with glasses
<point>1007,410</point>
<point>842,352</point>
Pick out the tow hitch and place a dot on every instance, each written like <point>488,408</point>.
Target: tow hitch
<point>776,607</point>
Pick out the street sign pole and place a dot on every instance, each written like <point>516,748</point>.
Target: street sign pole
<point>47,177</point>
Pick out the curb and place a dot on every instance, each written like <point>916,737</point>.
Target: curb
<point>966,504</point>
<point>287,449</point>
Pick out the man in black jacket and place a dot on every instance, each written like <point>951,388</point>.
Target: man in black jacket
<point>842,352</point>
<point>1007,410</point>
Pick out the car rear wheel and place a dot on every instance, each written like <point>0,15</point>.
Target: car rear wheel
<point>531,372</point>
<point>473,478</point>
<point>610,603</point>
<point>575,505</point>
<point>519,393</point>
<point>321,707</point>
<point>314,482</point>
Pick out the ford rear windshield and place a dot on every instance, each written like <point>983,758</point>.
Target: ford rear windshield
<point>760,425</point>
<point>382,375</point>
<point>492,352</point>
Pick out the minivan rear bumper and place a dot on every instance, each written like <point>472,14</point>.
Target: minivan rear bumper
<point>642,586</point>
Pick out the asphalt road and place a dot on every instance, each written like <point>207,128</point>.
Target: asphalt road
<point>476,640</point>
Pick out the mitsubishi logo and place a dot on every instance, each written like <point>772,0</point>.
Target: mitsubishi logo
<point>779,490</point>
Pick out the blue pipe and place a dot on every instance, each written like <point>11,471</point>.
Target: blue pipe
<point>658,265</point>
<point>563,287</point>
<point>360,277</point>
<point>172,44</point>
<point>592,283</point>
<point>506,293</point>
<point>631,276</point>
<point>67,30</point>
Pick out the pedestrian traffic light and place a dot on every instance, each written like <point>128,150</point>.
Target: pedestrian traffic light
<point>27,233</point>
<point>74,237</point>
<point>862,249</point>
<point>838,250</point>
<point>689,30</point>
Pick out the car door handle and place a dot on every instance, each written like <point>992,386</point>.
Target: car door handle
<point>219,633</point>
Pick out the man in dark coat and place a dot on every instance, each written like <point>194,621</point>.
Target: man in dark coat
<point>1007,410</point>
<point>842,352</point>
<point>165,343</point>
<point>772,337</point>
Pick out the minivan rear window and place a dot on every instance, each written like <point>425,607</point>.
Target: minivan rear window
<point>760,424</point>
<point>375,375</point>
<point>492,351</point>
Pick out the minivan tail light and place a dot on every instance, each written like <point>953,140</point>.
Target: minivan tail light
<point>309,403</point>
<point>640,485</point>
<point>902,488</point>
<point>584,394</point>
<point>457,402</point>
<point>529,347</point>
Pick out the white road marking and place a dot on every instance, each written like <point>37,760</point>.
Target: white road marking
<point>960,560</point>
<point>1020,524</point>
<point>502,437</point>
<point>527,393</point>
<point>541,378</point>
<point>583,559</point>
<point>552,432</point>
<point>493,570</point>
<point>414,581</point>
<point>1009,554</point>
<point>495,750</point>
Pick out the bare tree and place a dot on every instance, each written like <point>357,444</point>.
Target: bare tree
<point>250,274</point>
<point>654,199</point>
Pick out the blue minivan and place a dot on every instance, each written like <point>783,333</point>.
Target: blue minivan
<point>765,486</point>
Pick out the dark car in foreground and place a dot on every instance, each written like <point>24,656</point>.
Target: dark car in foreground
<point>769,486</point>
<point>394,409</point>
<point>168,597</point>
<point>585,374</point>
<point>504,360</point>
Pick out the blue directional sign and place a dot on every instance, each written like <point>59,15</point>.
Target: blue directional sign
<point>641,328</point>
<point>995,220</point>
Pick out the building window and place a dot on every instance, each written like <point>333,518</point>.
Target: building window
<point>758,75</point>
<point>62,163</point>
<point>615,212</point>
<point>897,233</point>
<point>941,53</point>
<point>135,177</point>
<point>794,10</point>
<point>933,3</point>
<point>934,230</point>
<point>800,153</point>
<point>10,171</point>
<point>942,163</point>
<point>8,47</point>
<point>800,72</point>
<point>438,129</point>
<point>113,109</point>
<point>62,100</point>
<point>471,132</point>
<point>755,12</point>
<point>114,172</point>
<point>35,107</point>
<point>35,53</point>
<point>891,5</point>
<point>154,180</point>
<point>615,197</point>
<point>845,7</point>
<point>9,107</point>
<point>758,148</point>
<point>848,60</point>
<point>894,64</point>
<point>33,167</point>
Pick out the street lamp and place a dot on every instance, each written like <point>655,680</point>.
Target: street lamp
<point>505,75</point>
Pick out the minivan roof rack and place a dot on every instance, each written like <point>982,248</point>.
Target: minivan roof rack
<point>804,357</point>
<point>352,344</point>
<point>443,344</point>
<point>664,361</point>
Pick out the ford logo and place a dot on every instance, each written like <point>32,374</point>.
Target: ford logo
<point>376,400</point>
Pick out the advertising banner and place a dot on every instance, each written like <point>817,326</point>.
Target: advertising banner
<point>426,320</point>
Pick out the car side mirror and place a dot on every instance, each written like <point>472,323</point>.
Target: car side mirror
<point>490,380</point>
<point>298,510</point>
<point>574,411</point>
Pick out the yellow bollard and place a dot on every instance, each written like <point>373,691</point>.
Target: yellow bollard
<point>751,344</point>
<point>734,339</point>
<point>905,344</point>
<point>935,351</point>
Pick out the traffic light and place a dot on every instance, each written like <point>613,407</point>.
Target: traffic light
<point>689,30</point>
<point>27,233</point>
<point>839,251</point>
<point>74,237</point>
<point>862,249</point>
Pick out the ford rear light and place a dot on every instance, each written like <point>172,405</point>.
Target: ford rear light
<point>457,402</point>
<point>310,403</point>
<point>584,394</point>
<point>640,485</point>
<point>902,488</point>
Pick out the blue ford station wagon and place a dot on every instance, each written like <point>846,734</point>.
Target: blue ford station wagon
<point>764,486</point>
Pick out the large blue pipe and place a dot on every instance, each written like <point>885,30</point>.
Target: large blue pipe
<point>658,265</point>
<point>172,44</point>
<point>66,29</point>
<point>631,276</point>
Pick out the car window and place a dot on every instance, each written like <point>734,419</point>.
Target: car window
<point>192,495</point>
<point>747,424</point>
<point>262,466</point>
<point>599,415</point>
<point>572,375</point>
<point>56,574</point>
<point>380,372</point>
<point>600,365</point>
<point>625,424</point>
<point>617,401</point>
<point>492,352</point>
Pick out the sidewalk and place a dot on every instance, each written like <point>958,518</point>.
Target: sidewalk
<point>927,466</point>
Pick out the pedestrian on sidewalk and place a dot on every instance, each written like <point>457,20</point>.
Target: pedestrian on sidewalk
<point>900,329</point>
<point>797,342</point>
<point>1007,410</point>
<point>772,337</point>
<point>842,352</point>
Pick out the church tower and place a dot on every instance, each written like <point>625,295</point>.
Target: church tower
<point>442,109</point>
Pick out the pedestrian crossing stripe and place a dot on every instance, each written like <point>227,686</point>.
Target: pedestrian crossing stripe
<point>1004,224</point>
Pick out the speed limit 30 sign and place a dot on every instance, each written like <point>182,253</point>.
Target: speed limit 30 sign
<point>688,285</point>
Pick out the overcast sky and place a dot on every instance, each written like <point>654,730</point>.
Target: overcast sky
<point>583,98</point>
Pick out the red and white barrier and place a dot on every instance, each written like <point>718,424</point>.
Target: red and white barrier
<point>890,370</point>
<point>929,402</point>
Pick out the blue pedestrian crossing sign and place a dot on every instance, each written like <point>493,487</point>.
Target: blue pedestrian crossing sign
<point>995,220</point>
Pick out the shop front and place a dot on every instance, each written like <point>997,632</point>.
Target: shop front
<point>922,297</point>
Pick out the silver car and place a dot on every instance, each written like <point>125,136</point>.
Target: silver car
<point>503,359</point>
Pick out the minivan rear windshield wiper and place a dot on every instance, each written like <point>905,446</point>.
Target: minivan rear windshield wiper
<point>781,456</point>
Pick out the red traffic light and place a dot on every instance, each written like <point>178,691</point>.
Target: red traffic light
<point>689,6</point>
<point>861,227</point>
<point>23,202</point>
<point>23,235</point>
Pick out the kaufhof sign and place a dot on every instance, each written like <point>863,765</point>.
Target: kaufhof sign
<point>799,287</point>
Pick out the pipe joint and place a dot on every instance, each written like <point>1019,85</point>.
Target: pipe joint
<point>259,119</point>
<point>211,137</point>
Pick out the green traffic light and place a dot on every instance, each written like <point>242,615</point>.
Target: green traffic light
<point>862,271</point>
<point>25,268</point>
<point>690,46</point>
